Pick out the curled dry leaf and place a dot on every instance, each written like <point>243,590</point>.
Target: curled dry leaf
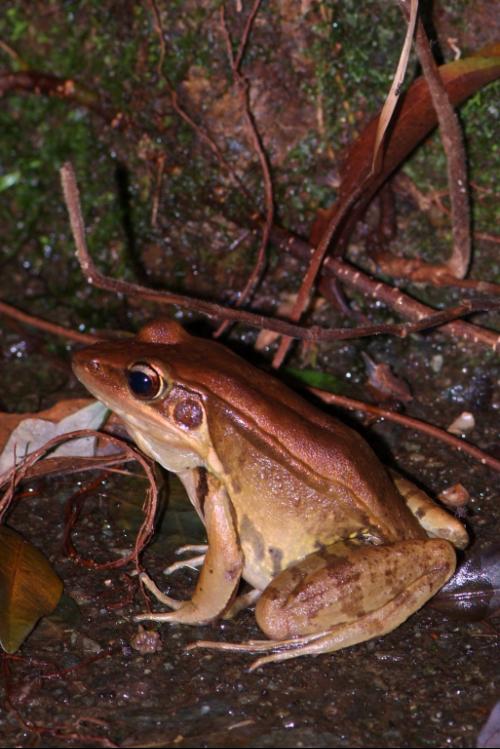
<point>29,588</point>
<point>22,434</point>
<point>454,496</point>
<point>412,122</point>
<point>384,384</point>
<point>462,424</point>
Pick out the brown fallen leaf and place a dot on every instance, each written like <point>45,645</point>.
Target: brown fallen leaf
<point>22,434</point>
<point>455,496</point>
<point>29,588</point>
<point>384,384</point>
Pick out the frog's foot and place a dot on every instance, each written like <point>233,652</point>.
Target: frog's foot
<point>435,521</point>
<point>283,648</point>
<point>345,594</point>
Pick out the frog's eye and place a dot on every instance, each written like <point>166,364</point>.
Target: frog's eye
<point>145,382</point>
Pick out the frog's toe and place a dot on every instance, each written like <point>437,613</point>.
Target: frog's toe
<point>193,563</point>
<point>165,616</point>
<point>158,594</point>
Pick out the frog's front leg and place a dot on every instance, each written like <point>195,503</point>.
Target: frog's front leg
<point>345,594</point>
<point>222,566</point>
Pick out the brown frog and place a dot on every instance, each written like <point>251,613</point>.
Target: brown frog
<point>293,501</point>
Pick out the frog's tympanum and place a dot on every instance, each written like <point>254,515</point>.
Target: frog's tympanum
<point>294,502</point>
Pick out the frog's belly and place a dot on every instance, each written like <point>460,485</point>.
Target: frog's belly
<point>268,552</point>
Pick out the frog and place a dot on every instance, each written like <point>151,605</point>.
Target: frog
<point>334,549</point>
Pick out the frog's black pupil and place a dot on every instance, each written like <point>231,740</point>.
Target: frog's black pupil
<point>141,384</point>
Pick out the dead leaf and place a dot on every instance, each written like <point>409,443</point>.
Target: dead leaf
<point>29,588</point>
<point>384,384</point>
<point>22,434</point>
<point>412,122</point>
<point>454,496</point>
<point>392,99</point>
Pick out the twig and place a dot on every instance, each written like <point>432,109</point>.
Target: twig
<point>159,32</point>
<point>453,144</point>
<point>160,168</point>
<point>314,266</point>
<point>410,423</point>
<point>392,99</point>
<point>253,135</point>
<point>61,88</point>
<point>393,297</point>
<point>211,310</point>
<point>22,470</point>
<point>49,327</point>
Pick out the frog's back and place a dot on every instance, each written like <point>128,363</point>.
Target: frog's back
<point>324,454</point>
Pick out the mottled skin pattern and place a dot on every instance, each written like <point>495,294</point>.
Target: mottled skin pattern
<point>293,501</point>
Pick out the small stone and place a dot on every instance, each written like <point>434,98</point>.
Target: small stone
<point>462,424</point>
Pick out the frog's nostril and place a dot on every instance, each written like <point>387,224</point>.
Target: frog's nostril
<point>95,365</point>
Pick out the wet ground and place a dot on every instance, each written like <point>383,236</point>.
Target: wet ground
<point>79,680</point>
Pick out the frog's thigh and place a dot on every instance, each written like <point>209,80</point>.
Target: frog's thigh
<point>435,521</point>
<point>351,592</point>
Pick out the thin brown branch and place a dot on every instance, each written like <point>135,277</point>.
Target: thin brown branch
<point>410,423</point>
<point>316,261</point>
<point>212,310</point>
<point>391,296</point>
<point>453,144</point>
<point>416,270</point>
<point>49,327</point>
<point>22,471</point>
<point>159,33</point>
<point>160,169</point>
<point>255,141</point>
<point>392,99</point>
<point>31,81</point>
<point>246,33</point>
<point>487,237</point>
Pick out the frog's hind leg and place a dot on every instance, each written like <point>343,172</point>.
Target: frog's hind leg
<point>436,522</point>
<point>346,594</point>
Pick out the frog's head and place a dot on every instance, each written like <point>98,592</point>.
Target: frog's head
<point>145,382</point>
